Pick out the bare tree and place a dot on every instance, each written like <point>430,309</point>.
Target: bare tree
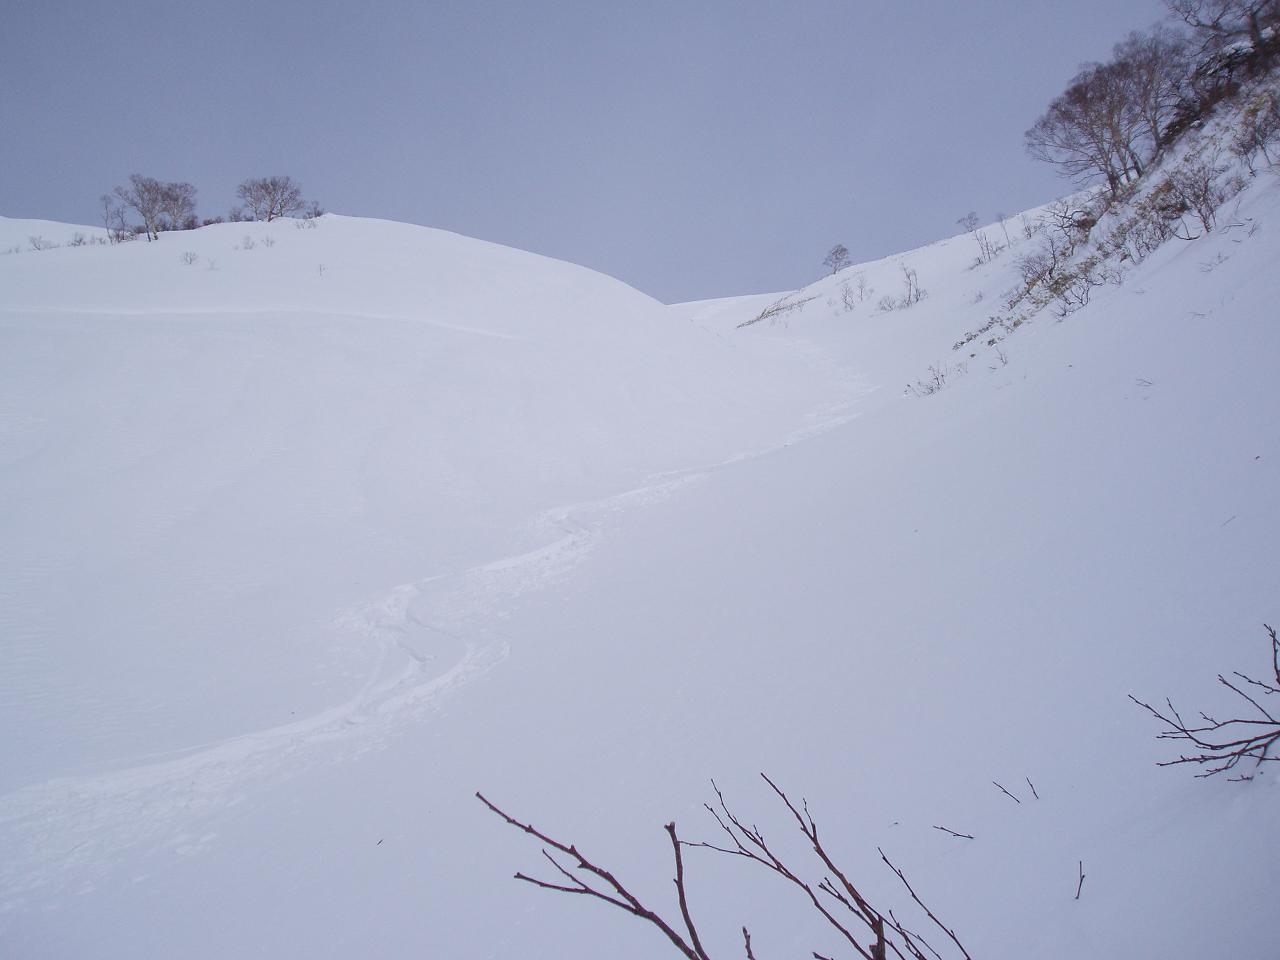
<point>268,198</point>
<point>1004,225</point>
<point>145,196</point>
<point>113,218</point>
<point>1218,746</point>
<point>987,248</point>
<point>178,206</point>
<point>1221,22</point>
<point>871,933</point>
<point>837,258</point>
<point>1154,67</point>
<point>1095,129</point>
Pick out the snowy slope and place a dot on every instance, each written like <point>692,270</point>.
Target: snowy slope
<point>194,480</point>
<point>16,235</point>
<point>297,558</point>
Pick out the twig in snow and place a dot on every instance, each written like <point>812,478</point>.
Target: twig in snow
<point>1080,884</point>
<point>966,836</point>
<point>1007,793</point>
<point>1033,788</point>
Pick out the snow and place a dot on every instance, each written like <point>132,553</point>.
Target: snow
<point>16,234</point>
<point>309,538</point>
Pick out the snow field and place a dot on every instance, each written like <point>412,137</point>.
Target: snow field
<point>298,559</point>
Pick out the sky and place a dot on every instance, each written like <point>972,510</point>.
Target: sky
<point>693,148</point>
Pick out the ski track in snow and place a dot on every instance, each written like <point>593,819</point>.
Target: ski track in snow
<point>63,835</point>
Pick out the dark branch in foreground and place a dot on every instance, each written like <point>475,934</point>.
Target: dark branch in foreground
<point>615,893</point>
<point>1219,745</point>
<point>869,932</point>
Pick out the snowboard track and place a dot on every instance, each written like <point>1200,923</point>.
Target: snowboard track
<point>63,835</point>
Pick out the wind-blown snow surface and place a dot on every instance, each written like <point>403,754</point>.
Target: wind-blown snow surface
<point>308,539</point>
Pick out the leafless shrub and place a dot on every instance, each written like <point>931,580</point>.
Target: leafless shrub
<point>40,243</point>
<point>1219,746</point>
<point>268,241</point>
<point>1073,219</point>
<point>113,218</point>
<point>940,374</point>
<point>1152,220</point>
<point>1258,130</point>
<point>912,293</point>
<point>871,933</point>
<point>1003,220</point>
<point>988,249</point>
<point>77,240</point>
<point>1072,288</point>
<point>190,257</point>
<point>1043,264</point>
<point>247,243</point>
<point>1197,183</point>
<point>848,297</point>
<point>777,309</point>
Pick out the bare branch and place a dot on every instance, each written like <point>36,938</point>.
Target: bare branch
<point>680,891</point>
<point>1222,744</point>
<point>1007,793</point>
<point>920,903</point>
<point>833,896</point>
<point>624,899</point>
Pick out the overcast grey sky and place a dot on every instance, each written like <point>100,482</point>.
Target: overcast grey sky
<point>693,148</point>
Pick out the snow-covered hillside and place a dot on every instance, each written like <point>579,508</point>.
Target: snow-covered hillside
<point>37,236</point>
<point>309,533</point>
